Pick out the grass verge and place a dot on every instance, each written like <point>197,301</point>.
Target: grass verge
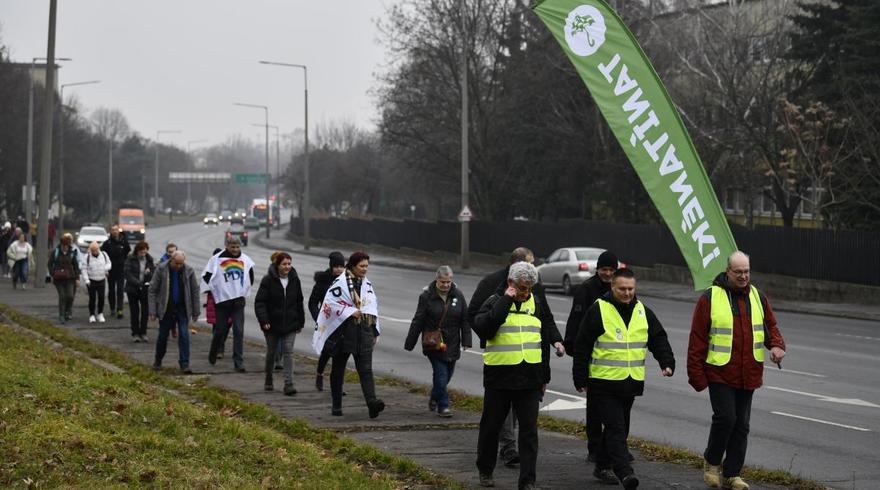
<point>93,427</point>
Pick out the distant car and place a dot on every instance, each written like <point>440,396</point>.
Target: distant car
<point>240,213</point>
<point>239,231</point>
<point>225,215</point>
<point>251,223</point>
<point>211,219</point>
<point>90,233</point>
<point>568,267</point>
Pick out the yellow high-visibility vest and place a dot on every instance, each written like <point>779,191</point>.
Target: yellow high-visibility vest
<point>721,327</point>
<point>518,339</point>
<point>621,350</point>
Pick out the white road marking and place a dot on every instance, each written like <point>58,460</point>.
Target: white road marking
<point>392,319</point>
<point>567,395</point>
<point>826,398</point>
<point>565,405</point>
<point>558,299</point>
<point>792,371</point>
<point>861,429</point>
<point>863,337</point>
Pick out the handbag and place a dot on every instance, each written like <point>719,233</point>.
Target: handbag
<point>60,271</point>
<point>432,340</point>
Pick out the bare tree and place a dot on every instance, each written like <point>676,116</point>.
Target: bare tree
<point>110,124</point>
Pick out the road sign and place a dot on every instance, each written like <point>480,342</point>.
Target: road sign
<point>465,214</point>
<point>250,178</point>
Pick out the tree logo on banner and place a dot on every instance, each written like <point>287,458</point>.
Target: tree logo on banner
<point>584,30</point>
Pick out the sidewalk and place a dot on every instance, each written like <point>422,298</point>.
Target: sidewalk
<point>482,265</point>
<point>405,428</point>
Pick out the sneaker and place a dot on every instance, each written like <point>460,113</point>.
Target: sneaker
<point>376,407</point>
<point>630,482</point>
<point>510,459</point>
<point>101,318</point>
<point>289,390</point>
<point>157,367</point>
<point>735,483</point>
<point>432,404</point>
<point>186,370</point>
<point>24,285</point>
<point>605,475</point>
<point>136,339</point>
<point>240,369</point>
<point>445,413</point>
<point>711,474</point>
<point>319,382</point>
<point>144,338</point>
<point>91,318</point>
<point>486,480</point>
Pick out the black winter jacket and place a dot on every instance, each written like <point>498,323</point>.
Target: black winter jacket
<point>323,280</point>
<point>118,251</point>
<point>584,296</point>
<point>280,308</point>
<point>133,271</point>
<point>455,327</point>
<point>523,376</point>
<point>592,328</point>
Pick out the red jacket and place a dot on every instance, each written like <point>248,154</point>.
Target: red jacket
<point>742,372</point>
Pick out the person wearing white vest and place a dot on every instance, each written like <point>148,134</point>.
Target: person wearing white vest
<point>229,276</point>
<point>95,266</point>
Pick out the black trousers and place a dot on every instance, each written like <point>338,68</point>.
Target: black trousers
<point>496,406</point>
<point>96,294</point>
<point>729,435</point>
<point>614,412</point>
<point>363,362</point>
<point>322,361</point>
<point>593,426</point>
<point>137,303</point>
<point>116,286</point>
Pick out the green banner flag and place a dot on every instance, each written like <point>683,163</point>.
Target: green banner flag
<point>648,127</point>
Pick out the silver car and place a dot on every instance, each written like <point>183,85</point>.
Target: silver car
<point>568,267</point>
<point>90,233</point>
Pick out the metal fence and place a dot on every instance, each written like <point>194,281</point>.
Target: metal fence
<point>844,256</point>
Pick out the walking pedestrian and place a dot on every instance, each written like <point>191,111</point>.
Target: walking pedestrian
<point>496,282</point>
<point>117,248</point>
<point>609,361</point>
<point>170,248</point>
<point>582,299</point>
<point>96,266</point>
<point>64,272</point>
<point>229,276</point>
<point>518,330</point>
<point>139,268</point>
<point>732,324</point>
<point>352,307</point>
<point>20,254</point>
<point>174,300</point>
<point>211,314</point>
<point>323,279</point>
<point>7,236</point>
<point>441,321</point>
<point>280,312</point>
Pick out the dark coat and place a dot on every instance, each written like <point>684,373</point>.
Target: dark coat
<point>455,327</point>
<point>118,251</point>
<point>742,371</point>
<point>159,292</point>
<point>592,328</point>
<point>132,272</point>
<point>583,298</point>
<point>354,336</point>
<point>69,260</point>
<point>523,376</point>
<point>323,280</point>
<point>282,309</point>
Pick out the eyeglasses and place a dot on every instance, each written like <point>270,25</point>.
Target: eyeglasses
<point>523,289</point>
<point>740,273</point>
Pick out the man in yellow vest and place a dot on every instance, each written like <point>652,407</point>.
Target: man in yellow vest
<point>518,330</point>
<point>732,324</point>
<point>609,360</point>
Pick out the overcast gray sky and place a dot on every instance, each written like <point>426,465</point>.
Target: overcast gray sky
<point>174,64</point>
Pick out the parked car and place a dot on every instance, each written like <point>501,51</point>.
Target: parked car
<point>251,223</point>
<point>568,267</point>
<point>90,233</point>
<point>211,219</point>
<point>239,231</point>
<point>225,215</point>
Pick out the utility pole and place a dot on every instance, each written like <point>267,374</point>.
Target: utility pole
<point>465,201</point>
<point>46,154</point>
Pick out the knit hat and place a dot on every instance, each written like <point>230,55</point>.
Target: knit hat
<point>607,259</point>
<point>337,259</point>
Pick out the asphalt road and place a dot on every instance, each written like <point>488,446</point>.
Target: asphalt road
<point>818,417</point>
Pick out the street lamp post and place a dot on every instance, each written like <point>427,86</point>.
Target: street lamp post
<point>156,169</point>
<point>61,154</point>
<point>277,172</point>
<point>465,192</point>
<point>29,198</point>
<point>268,204</point>
<point>46,153</point>
<point>306,194</point>
<point>189,178</point>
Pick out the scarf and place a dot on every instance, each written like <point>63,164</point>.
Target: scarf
<point>340,302</point>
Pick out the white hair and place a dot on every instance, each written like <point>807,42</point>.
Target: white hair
<point>737,255</point>
<point>523,272</point>
<point>444,271</point>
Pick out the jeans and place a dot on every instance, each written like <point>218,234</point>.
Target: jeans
<point>116,286</point>
<point>20,272</point>
<point>729,435</point>
<point>273,341</point>
<point>442,375</point>
<point>614,413</point>
<point>174,317</point>
<point>96,293</point>
<point>496,408</point>
<point>137,303</point>
<point>223,312</point>
<point>66,294</point>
